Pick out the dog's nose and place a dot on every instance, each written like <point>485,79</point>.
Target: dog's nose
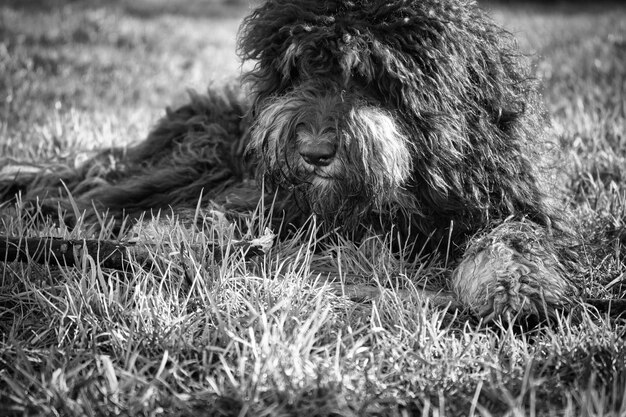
<point>319,154</point>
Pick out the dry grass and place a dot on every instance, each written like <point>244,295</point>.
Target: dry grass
<point>272,336</point>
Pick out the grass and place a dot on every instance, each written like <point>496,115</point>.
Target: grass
<point>274,335</point>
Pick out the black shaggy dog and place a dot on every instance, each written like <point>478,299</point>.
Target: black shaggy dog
<point>416,115</point>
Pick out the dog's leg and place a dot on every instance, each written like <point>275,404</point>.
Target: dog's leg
<point>513,273</point>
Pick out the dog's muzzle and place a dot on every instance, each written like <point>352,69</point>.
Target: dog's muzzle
<point>316,149</point>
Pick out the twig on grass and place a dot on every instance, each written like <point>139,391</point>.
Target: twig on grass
<point>66,252</point>
<point>366,292</point>
<point>109,254</point>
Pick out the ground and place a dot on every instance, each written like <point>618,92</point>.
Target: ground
<point>275,335</point>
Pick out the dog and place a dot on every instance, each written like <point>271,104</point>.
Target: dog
<point>414,115</point>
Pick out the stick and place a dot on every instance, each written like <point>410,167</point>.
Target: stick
<point>365,292</point>
<point>110,254</point>
<point>64,252</point>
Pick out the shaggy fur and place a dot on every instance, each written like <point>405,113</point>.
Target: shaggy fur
<point>413,114</point>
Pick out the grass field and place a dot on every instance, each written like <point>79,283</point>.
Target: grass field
<point>272,336</point>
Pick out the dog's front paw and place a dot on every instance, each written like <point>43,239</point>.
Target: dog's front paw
<point>502,279</point>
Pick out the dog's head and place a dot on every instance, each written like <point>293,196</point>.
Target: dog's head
<point>373,105</point>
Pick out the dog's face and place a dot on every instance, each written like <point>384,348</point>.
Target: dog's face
<point>322,126</point>
<point>369,106</point>
<point>340,150</point>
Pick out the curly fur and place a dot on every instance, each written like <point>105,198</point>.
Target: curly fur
<point>447,84</point>
<point>372,113</point>
<point>514,269</point>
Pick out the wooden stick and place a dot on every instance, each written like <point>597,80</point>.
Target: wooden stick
<point>109,254</point>
<point>65,252</point>
<point>366,292</point>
